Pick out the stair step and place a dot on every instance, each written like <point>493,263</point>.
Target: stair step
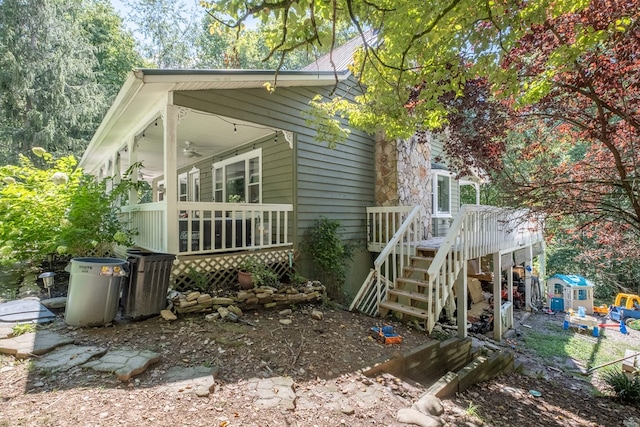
<point>414,296</point>
<point>408,281</point>
<point>410,269</point>
<point>401,308</point>
<point>422,259</point>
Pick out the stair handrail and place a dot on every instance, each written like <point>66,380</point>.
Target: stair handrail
<point>399,249</point>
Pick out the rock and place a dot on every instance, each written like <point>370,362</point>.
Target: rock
<point>223,311</point>
<point>125,363</point>
<point>270,305</point>
<point>411,416</point>
<point>212,317</point>
<point>235,310</point>
<point>285,312</point>
<point>168,315</point>
<point>285,321</point>
<point>54,303</point>
<point>225,301</point>
<point>204,298</point>
<point>184,303</point>
<point>429,404</point>
<point>317,314</point>
<point>193,296</point>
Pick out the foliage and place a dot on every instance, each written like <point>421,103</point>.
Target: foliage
<point>261,274</point>
<point>331,256</point>
<point>625,387</point>
<point>551,85</point>
<point>199,279</point>
<point>92,224</point>
<point>114,47</point>
<point>167,30</point>
<point>55,208</point>
<point>21,329</point>
<point>33,206</point>
<point>49,94</point>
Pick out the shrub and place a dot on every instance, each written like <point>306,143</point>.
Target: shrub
<point>330,255</point>
<point>625,387</point>
<point>54,207</point>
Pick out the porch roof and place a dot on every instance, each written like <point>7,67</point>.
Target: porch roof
<point>144,92</point>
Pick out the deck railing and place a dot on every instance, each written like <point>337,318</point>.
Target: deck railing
<point>205,227</point>
<point>397,252</point>
<point>476,231</point>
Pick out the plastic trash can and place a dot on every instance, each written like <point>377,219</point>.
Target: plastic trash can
<point>94,290</point>
<point>145,293</point>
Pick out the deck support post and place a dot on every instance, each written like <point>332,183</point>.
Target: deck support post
<point>171,174</point>
<point>497,296</point>
<point>462,295</point>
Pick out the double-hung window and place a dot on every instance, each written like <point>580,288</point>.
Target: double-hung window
<point>238,179</point>
<point>441,194</point>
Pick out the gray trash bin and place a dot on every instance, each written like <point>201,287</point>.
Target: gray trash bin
<point>94,290</point>
<point>145,293</point>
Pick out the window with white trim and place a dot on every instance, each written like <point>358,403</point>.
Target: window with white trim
<point>238,179</point>
<point>194,185</point>
<point>182,187</point>
<point>441,194</point>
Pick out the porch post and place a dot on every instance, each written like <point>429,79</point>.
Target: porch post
<point>133,158</point>
<point>461,292</point>
<point>527,277</point>
<point>497,296</point>
<point>171,175</point>
<point>542,274</point>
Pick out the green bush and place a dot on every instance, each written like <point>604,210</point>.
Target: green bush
<point>261,274</point>
<point>53,207</point>
<point>331,256</point>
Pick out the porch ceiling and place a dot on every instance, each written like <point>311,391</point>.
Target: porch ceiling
<point>136,110</point>
<point>209,135</point>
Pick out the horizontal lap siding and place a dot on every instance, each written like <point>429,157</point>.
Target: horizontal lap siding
<point>338,184</point>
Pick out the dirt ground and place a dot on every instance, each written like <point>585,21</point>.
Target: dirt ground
<point>316,354</point>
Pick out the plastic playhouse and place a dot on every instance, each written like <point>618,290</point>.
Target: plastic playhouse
<point>570,292</point>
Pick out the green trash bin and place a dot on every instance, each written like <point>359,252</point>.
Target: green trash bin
<point>94,290</point>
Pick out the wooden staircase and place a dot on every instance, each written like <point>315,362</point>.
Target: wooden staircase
<point>409,297</point>
<point>416,279</point>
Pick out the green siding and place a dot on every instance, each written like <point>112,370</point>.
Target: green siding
<point>319,181</point>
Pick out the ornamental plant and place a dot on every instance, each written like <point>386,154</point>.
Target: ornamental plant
<point>49,205</point>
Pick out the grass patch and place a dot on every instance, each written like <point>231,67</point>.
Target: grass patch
<point>23,328</point>
<point>556,342</point>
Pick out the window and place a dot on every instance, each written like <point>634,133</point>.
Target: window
<point>160,191</point>
<point>238,179</point>
<point>441,194</point>
<point>182,187</point>
<point>194,185</point>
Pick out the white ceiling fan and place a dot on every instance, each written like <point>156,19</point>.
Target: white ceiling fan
<point>189,151</point>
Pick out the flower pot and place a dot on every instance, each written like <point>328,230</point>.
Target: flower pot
<point>245,280</point>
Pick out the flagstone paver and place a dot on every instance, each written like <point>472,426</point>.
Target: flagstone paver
<point>198,380</point>
<point>33,343</point>
<point>124,363</point>
<point>67,357</point>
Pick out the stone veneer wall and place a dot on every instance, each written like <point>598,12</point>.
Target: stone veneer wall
<point>386,172</point>
<point>403,174</point>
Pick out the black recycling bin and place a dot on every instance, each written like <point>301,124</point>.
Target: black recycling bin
<point>145,294</point>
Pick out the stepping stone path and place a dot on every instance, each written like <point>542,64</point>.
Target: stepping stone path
<point>67,357</point>
<point>33,343</point>
<point>198,380</point>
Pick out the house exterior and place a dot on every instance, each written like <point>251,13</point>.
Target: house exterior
<point>233,171</point>
<point>251,176</point>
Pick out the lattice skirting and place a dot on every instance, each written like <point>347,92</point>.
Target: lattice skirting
<point>222,269</point>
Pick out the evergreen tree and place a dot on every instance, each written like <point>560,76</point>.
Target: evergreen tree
<point>50,96</point>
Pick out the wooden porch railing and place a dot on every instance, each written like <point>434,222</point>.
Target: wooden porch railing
<point>205,227</point>
<point>476,231</point>
<point>400,247</point>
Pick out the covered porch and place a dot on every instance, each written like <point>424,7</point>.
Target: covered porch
<point>209,182</point>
